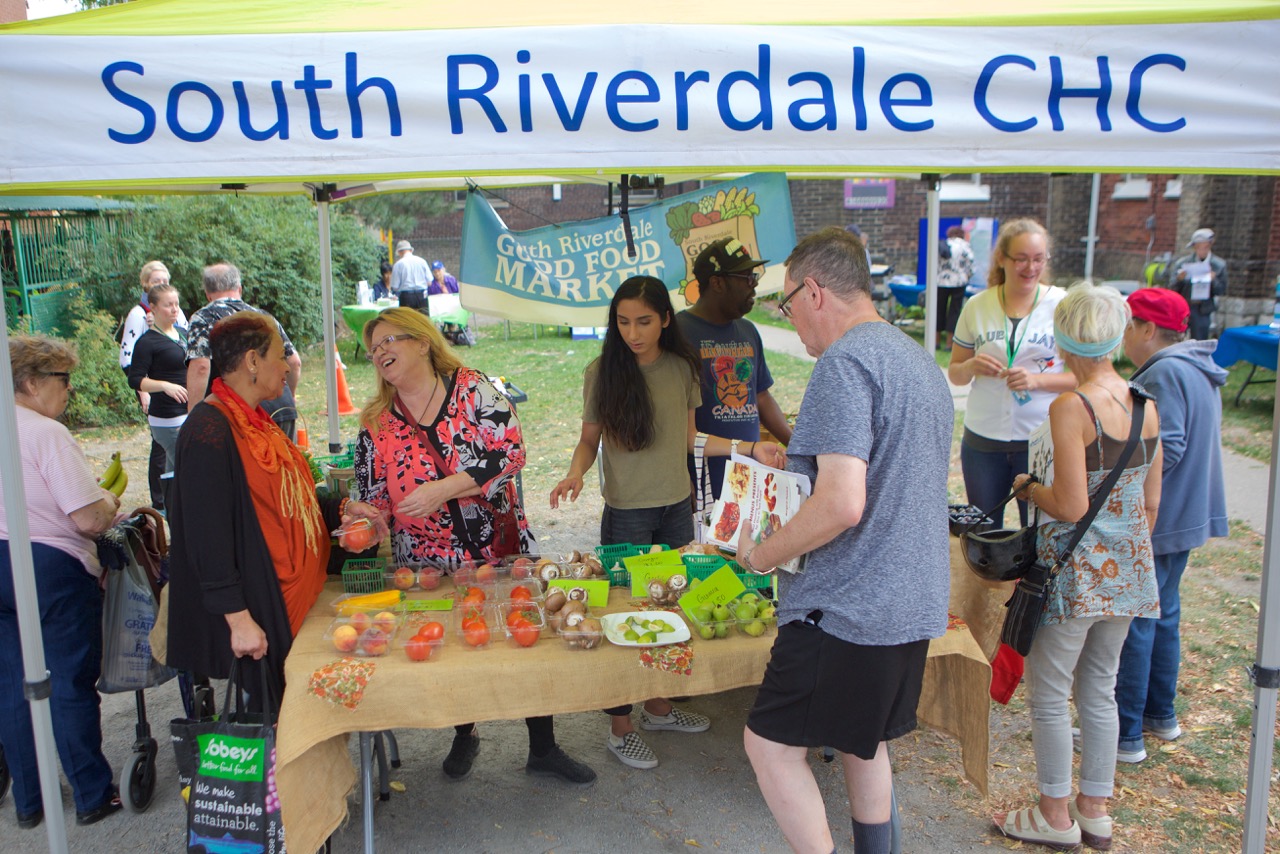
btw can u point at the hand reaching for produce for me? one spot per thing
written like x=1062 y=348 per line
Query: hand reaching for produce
x=570 y=486
x=359 y=510
x=770 y=453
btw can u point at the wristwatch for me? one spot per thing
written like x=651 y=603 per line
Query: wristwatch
x=733 y=446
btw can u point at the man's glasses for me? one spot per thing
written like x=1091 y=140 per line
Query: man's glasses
x=783 y=308
x=753 y=276
x=65 y=376
x=390 y=339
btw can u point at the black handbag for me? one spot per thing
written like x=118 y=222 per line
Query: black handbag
x=1002 y=554
x=1026 y=605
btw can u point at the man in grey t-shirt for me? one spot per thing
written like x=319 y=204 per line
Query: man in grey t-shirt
x=874 y=434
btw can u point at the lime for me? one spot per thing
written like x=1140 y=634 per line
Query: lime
x=648 y=637
x=630 y=634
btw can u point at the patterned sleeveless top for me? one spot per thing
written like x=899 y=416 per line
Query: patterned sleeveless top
x=1111 y=572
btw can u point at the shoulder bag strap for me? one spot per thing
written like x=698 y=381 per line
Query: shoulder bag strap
x=1099 y=497
x=702 y=480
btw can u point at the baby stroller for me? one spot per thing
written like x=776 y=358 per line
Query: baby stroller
x=134 y=558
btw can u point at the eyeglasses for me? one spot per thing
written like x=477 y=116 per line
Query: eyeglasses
x=65 y=376
x=783 y=308
x=753 y=276
x=1025 y=260
x=390 y=339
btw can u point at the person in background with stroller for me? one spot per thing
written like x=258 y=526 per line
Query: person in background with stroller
x=66 y=511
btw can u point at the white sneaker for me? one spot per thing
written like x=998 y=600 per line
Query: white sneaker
x=1131 y=757
x=631 y=750
x=1172 y=733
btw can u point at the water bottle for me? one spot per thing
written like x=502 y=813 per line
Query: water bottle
x=1275 y=313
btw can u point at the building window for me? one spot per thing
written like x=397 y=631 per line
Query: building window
x=1132 y=187
x=1173 y=188
x=958 y=187
x=460 y=200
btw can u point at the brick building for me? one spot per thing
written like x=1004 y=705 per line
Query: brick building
x=1141 y=219
x=12 y=10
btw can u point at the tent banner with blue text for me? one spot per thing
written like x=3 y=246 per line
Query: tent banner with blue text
x=567 y=274
x=570 y=100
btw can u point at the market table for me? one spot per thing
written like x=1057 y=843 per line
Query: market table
x=314 y=773
x=443 y=308
x=1257 y=345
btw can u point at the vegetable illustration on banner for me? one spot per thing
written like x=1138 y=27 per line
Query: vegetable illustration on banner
x=567 y=274
x=694 y=225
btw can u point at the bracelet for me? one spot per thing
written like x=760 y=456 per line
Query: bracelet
x=753 y=448
x=342 y=506
x=733 y=446
x=745 y=560
x=1031 y=493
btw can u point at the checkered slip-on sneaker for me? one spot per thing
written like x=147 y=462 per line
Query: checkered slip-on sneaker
x=632 y=751
x=678 y=720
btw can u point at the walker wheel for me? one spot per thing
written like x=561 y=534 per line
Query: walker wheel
x=139 y=777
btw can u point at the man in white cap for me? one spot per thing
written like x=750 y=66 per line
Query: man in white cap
x=1200 y=276
x=410 y=277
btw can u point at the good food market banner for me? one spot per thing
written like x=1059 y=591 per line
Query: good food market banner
x=567 y=274
x=122 y=110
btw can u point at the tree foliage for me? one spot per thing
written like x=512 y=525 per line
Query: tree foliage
x=100 y=395
x=400 y=213
x=274 y=241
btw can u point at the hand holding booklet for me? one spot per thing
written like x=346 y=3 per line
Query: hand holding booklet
x=759 y=497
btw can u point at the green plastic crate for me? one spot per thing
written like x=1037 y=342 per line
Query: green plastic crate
x=364 y=575
x=700 y=566
x=610 y=555
x=749 y=579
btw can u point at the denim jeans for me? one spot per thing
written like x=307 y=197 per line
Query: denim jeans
x=1085 y=653
x=1148 y=680
x=671 y=525
x=71 y=626
x=988 y=477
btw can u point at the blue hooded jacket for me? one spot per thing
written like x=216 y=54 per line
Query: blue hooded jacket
x=1185 y=381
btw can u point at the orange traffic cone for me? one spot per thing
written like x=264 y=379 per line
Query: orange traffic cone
x=345 y=406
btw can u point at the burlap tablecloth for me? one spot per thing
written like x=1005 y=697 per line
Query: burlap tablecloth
x=315 y=775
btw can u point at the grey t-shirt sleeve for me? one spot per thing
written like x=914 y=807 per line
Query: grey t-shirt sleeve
x=839 y=393
x=590 y=415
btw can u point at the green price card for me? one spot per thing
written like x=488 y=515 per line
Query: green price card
x=597 y=589
x=427 y=605
x=720 y=588
x=660 y=565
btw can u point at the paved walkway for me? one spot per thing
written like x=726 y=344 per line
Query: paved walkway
x=1247 y=481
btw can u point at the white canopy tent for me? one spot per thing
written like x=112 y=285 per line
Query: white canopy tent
x=335 y=99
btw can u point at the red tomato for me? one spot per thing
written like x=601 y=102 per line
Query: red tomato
x=525 y=633
x=516 y=616
x=358 y=538
x=431 y=631
x=521 y=593
x=473 y=596
x=417 y=648
x=477 y=634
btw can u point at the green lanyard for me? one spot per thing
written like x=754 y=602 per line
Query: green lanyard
x=1011 y=349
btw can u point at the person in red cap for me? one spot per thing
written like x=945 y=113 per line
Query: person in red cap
x=1185 y=381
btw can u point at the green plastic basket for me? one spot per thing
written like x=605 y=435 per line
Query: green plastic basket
x=700 y=566
x=749 y=579
x=364 y=575
x=610 y=555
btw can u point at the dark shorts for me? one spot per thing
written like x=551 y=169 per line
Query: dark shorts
x=820 y=691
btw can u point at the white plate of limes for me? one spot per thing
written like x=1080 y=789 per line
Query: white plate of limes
x=645 y=628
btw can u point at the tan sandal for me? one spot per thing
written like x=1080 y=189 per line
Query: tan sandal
x=1030 y=825
x=1094 y=832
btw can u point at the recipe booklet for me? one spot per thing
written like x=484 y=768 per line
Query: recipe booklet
x=757 y=496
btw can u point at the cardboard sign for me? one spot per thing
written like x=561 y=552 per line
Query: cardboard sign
x=720 y=588
x=597 y=589
x=645 y=567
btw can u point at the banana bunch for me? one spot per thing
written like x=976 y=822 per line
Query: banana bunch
x=115 y=478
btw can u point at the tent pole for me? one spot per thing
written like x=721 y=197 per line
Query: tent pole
x=934 y=215
x=22 y=566
x=1265 y=672
x=1092 y=240
x=323 y=194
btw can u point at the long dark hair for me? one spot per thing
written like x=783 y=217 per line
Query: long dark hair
x=621 y=393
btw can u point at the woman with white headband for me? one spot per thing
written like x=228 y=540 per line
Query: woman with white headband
x=1108 y=579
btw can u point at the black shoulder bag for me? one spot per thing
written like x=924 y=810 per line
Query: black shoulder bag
x=1026 y=606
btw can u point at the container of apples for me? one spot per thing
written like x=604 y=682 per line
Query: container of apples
x=364 y=634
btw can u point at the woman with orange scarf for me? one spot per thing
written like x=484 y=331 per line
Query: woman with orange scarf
x=250 y=538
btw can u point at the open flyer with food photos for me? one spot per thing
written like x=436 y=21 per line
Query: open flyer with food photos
x=760 y=497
